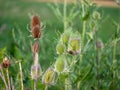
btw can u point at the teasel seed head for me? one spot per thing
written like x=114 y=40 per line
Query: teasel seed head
x=92 y=24
x=6 y=62
x=65 y=37
x=35 y=21
x=49 y=77
x=60 y=48
x=60 y=64
x=36 y=32
x=99 y=44
x=74 y=46
x=35 y=47
x=35 y=75
x=96 y=15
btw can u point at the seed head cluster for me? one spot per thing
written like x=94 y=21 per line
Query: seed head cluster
x=35 y=27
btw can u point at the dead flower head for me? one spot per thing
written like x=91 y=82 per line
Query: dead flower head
x=35 y=21
x=6 y=62
x=35 y=27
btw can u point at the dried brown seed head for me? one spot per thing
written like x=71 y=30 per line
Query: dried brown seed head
x=35 y=47
x=6 y=62
x=36 y=33
x=35 y=21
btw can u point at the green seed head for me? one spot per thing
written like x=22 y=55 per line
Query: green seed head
x=92 y=24
x=49 y=77
x=60 y=48
x=65 y=37
x=74 y=44
x=60 y=64
x=96 y=15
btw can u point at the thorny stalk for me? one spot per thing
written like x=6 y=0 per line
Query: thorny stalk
x=82 y=47
x=8 y=78
x=36 y=69
x=114 y=58
x=35 y=84
x=97 y=61
x=12 y=85
x=3 y=78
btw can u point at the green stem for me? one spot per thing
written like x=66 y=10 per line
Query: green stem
x=64 y=12
x=82 y=47
x=97 y=60
x=21 y=76
x=97 y=73
x=114 y=60
x=68 y=85
x=46 y=87
x=83 y=37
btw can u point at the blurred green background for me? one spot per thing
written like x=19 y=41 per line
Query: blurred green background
x=14 y=16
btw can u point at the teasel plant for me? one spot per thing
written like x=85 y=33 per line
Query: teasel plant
x=5 y=65
x=115 y=42
x=64 y=46
x=35 y=26
x=68 y=49
x=98 y=46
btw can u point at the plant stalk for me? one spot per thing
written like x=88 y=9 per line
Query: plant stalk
x=82 y=47
x=98 y=66
x=36 y=69
x=64 y=12
x=8 y=78
x=114 y=60
x=21 y=76
x=68 y=84
x=46 y=87
x=35 y=84
x=3 y=78
x=97 y=60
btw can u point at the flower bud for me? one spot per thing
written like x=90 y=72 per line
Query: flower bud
x=99 y=44
x=36 y=33
x=5 y=63
x=35 y=74
x=74 y=46
x=60 y=48
x=96 y=15
x=35 y=21
x=60 y=64
x=35 y=47
x=65 y=37
x=92 y=24
x=49 y=77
